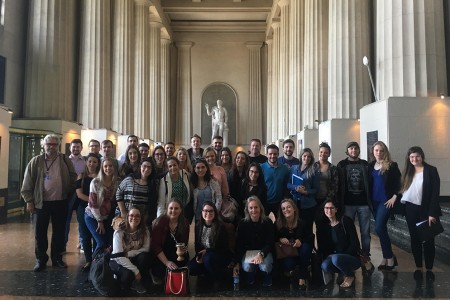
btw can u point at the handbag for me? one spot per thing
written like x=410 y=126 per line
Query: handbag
x=426 y=232
x=250 y=255
x=284 y=251
x=229 y=209
x=177 y=282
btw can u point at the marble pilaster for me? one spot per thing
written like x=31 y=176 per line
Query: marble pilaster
x=94 y=107
x=50 y=71
x=316 y=63
x=410 y=43
x=155 y=77
x=349 y=41
x=296 y=52
x=141 y=69
x=165 y=89
x=123 y=67
x=275 y=76
x=283 y=79
x=269 y=104
x=184 y=94
x=254 y=122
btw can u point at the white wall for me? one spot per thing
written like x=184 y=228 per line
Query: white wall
x=404 y=122
x=337 y=133
x=5 y=123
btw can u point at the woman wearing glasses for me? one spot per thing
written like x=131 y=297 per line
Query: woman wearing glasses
x=338 y=242
x=212 y=250
x=159 y=157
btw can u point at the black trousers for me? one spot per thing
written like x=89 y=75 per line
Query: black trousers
x=56 y=211
x=126 y=276
x=426 y=249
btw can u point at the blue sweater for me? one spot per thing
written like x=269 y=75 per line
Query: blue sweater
x=276 y=179
x=311 y=185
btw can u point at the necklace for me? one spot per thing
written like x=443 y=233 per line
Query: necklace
x=173 y=228
x=46 y=166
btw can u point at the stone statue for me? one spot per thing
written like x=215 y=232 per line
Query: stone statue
x=219 y=115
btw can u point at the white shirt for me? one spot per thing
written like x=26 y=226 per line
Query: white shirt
x=414 y=193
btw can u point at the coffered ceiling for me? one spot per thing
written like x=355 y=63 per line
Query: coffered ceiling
x=217 y=15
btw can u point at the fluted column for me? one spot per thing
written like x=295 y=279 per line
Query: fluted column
x=410 y=49
x=184 y=94
x=316 y=62
x=50 y=72
x=275 y=76
x=283 y=79
x=165 y=89
x=123 y=67
x=254 y=121
x=349 y=41
x=269 y=104
x=296 y=52
x=141 y=69
x=95 y=64
x=155 y=77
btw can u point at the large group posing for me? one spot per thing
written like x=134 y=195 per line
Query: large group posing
x=307 y=205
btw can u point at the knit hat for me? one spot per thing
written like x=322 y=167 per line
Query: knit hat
x=352 y=144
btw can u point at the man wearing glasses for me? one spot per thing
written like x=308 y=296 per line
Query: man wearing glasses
x=48 y=182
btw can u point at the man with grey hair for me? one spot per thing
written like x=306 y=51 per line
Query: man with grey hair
x=49 y=180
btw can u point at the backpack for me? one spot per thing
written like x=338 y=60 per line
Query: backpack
x=101 y=275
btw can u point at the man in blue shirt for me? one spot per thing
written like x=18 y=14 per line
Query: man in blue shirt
x=276 y=177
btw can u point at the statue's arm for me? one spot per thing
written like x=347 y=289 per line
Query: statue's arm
x=208 y=112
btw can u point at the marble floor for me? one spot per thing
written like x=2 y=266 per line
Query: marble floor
x=18 y=281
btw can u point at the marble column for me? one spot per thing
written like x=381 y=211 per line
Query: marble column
x=254 y=121
x=123 y=67
x=155 y=77
x=349 y=41
x=166 y=115
x=296 y=53
x=410 y=49
x=269 y=103
x=141 y=69
x=275 y=75
x=315 y=81
x=184 y=94
x=283 y=79
x=94 y=107
x=50 y=70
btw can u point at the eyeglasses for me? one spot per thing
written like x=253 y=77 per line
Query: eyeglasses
x=329 y=208
x=159 y=154
x=134 y=216
x=52 y=144
x=208 y=211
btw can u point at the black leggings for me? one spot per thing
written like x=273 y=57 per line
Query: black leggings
x=126 y=276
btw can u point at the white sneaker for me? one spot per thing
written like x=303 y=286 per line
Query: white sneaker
x=155 y=279
x=327 y=277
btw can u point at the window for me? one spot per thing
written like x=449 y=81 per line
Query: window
x=2 y=12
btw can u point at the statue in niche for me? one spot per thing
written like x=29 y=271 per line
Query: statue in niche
x=219 y=115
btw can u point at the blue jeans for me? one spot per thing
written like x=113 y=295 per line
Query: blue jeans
x=85 y=233
x=101 y=239
x=364 y=214
x=265 y=266
x=381 y=215
x=213 y=265
x=341 y=263
x=303 y=260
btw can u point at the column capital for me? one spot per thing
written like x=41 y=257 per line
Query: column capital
x=253 y=45
x=184 y=44
x=275 y=23
x=269 y=41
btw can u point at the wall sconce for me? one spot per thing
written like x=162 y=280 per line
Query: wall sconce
x=442 y=96
x=366 y=63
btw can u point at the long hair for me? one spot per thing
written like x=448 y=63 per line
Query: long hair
x=281 y=221
x=215 y=224
x=260 y=181
x=100 y=180
x=234 y=169
x=263 y=216
x=127 y=158
x=194 y=176
x=140 y=232
x=138 y=175
x=226 y=149
x=188 y=163
x=309 y=167
x=85 y=174
x=409 y=170
x=386 y=160
x=159 y=147
x=209 y=149
x=181 y=218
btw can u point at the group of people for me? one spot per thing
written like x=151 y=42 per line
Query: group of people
x=279 y=200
